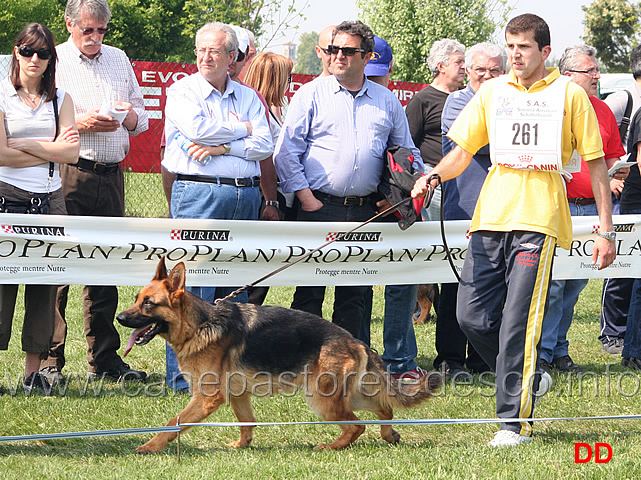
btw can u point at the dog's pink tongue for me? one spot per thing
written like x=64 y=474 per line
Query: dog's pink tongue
x=132 y=340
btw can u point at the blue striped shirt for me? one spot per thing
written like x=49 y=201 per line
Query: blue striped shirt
x=334 y=142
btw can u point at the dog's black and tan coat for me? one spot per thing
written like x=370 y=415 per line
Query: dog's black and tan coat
x=230 y=351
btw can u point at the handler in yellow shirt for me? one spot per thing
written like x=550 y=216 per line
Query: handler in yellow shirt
x=533 y=119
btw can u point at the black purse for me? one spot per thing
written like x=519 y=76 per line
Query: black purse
x=39 y=203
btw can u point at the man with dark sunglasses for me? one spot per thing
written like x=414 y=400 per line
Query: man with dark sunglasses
x=97 y=77
x=324 y=39
x=330 y=153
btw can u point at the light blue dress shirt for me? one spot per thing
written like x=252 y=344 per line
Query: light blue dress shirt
x=206 y=117
x=334 y=142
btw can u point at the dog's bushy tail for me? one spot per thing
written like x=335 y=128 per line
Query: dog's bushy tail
x=397 y=394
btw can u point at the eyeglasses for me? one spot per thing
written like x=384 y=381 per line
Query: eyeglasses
x=28 y=52
x=494 y=72
x=347 y=51
x=240 y=56
x=325 y=50
x=593 y=72
x=209 y=51
x=289 y=79
x=90 y=31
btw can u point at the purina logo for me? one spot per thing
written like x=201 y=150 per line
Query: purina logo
x=619 y=228
x=525 y=158
x=353 y=237
x=201 y=235
x=624 y=228
x=34 y=230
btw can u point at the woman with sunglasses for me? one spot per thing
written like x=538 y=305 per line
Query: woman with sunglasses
x=32 y=146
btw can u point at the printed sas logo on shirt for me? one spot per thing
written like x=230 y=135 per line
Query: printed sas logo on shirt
x=43 y=230
x=353 y=236
x=202 y=235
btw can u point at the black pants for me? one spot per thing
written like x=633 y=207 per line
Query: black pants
x=88 y=193
x=615 y=301
x=452 y=346
x=501 y=305
x=348 y=300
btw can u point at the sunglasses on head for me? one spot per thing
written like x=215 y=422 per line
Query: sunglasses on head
x=347 y=51
x=89 y=31
x=28 y=52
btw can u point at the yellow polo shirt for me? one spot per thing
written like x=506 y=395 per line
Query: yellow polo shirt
x=527 y=200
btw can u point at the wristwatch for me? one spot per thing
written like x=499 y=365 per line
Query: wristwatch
x=227 y=148
x=611 y=236
x=272 y=203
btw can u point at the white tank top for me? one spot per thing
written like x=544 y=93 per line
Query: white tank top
x=20 y=121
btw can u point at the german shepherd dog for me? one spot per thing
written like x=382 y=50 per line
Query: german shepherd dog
x=229 y=351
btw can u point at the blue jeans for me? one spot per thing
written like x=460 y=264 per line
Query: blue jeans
x=562 y=297
x=632 y=340
x=208 y=201
x=212 y=201
x=399 y=339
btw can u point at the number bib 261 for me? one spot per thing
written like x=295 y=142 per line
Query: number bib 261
x=526 y=128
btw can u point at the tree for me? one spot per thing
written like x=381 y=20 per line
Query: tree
x=161 y=30
x=412 y=26
x=265 y=18
x=611 y=27
x=306 y=59
x=16 y=14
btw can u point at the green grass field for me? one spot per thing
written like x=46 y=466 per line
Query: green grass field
x=431 y=451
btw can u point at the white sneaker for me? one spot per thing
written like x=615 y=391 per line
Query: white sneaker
x=544 y=386
x=508 y=438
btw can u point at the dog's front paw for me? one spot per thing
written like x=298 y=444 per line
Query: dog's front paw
x=322 y=446
x=238 y=444
x=149 y=447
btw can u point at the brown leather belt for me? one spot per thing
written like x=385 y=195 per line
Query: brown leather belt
x=97 y=167
x=581 y=201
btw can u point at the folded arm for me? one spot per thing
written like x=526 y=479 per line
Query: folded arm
x=24 y=152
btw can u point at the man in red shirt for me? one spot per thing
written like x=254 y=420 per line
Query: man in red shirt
x=578 y=62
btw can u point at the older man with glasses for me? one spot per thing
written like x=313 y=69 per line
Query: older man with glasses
x=217 y=135
x=102 y=83
x=579 y=63
x=483 y=61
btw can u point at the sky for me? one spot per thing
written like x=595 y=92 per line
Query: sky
x=564 y=17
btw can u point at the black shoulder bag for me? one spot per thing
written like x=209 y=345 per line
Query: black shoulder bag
x=39 y=203
x=625 y=121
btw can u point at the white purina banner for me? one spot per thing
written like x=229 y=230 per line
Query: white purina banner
x=51 y=249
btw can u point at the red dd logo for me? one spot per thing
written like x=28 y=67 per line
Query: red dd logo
x=586 y=450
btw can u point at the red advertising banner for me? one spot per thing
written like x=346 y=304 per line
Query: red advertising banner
x=155 y=77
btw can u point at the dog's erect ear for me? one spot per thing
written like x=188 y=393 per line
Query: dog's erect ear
x=177 y=277
x=161 y=270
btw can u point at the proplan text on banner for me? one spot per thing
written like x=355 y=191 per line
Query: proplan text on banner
x=52 y=249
